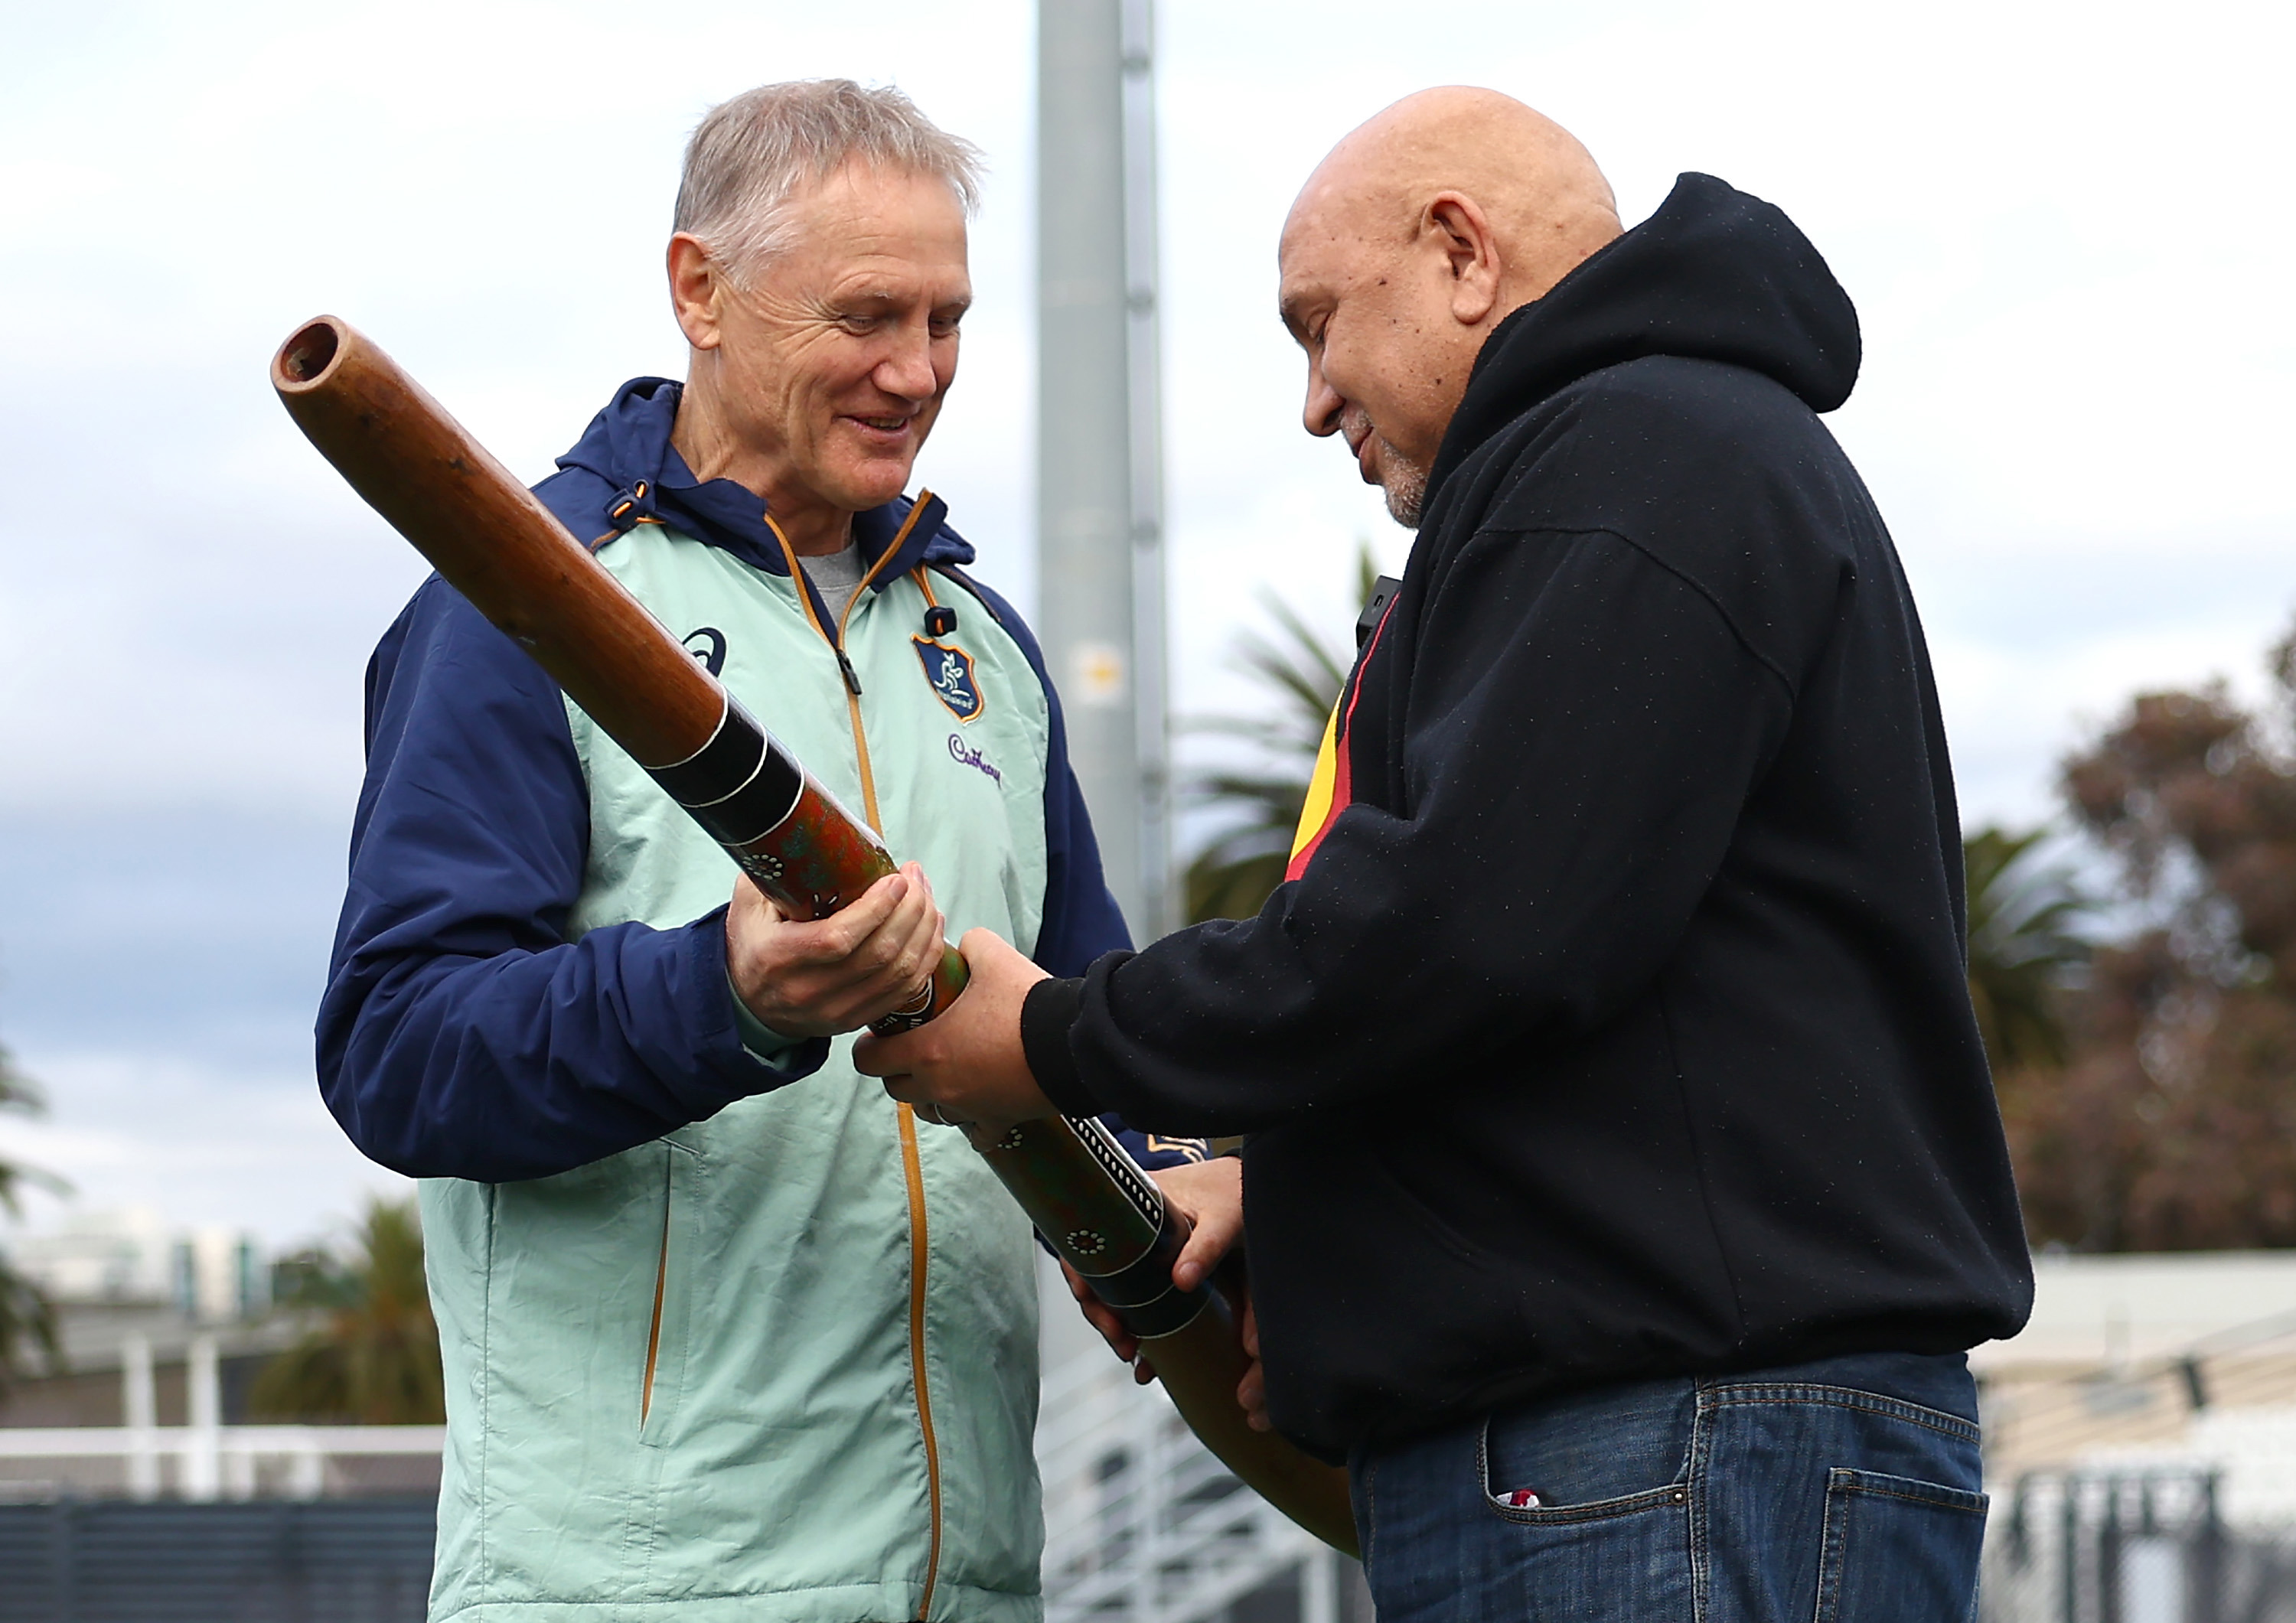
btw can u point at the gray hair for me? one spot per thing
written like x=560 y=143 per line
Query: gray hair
x=750 y=157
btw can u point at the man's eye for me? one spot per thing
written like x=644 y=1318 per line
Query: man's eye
x=856 y=323
x=945 y=326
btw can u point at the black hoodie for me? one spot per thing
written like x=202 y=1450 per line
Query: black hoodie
x=1617 y=1026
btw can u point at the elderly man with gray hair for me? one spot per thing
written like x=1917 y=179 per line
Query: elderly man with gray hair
x=725 y=1335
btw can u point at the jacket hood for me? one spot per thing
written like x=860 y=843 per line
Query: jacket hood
x=624 y=471
x=1715 y=275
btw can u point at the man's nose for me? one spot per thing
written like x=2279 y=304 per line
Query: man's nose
x=908 y=371
x=1321 y=416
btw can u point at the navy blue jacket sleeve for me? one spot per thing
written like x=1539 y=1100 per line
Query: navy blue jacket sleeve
x=1082 y=921
x=460 y=1034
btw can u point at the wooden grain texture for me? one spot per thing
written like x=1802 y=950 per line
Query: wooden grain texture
x=494 y=542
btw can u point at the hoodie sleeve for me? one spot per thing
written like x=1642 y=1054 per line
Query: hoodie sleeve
x=460 y=1034
x=1585 y=725
x=1082 y=922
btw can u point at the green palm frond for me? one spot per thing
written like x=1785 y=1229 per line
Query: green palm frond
x=1301 y=667
x=1301 y=674
x=374 y=1358
x=27 y=1319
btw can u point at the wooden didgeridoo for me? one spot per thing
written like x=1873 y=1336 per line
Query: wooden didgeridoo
x=494 y=541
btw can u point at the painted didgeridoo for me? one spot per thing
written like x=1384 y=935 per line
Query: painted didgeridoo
x=493 y=541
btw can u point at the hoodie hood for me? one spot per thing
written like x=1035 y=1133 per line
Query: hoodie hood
x=624 y=471
x=1714 y=275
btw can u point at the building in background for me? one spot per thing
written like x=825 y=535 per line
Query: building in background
x=2141 y=1443
x=130 y=1255
x=133 y=1293
x=164 y=1331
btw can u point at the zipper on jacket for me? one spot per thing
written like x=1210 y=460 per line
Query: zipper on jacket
x=913 y=1172
x=660 y=1288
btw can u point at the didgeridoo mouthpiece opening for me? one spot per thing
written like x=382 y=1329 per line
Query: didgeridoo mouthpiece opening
x=309 y=352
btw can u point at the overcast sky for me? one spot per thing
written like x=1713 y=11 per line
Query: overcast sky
x=2064 y=227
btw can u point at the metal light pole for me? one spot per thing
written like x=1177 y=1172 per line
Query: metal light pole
x=1099 y=496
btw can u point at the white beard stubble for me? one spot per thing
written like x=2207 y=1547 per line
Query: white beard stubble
x=1405 y=484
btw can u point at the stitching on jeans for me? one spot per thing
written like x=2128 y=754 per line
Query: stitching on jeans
x=1702 y=1447
x=1598 y=1510
x=1943 y=1504
x=1845 y=1398
x=1833 y=1535
x=1370 y=1509
x=1937 y=1500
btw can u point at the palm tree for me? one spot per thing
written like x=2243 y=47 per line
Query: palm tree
x=1302 y=674
x=374 y=1359
x=27 y=1319
x=2024 y=939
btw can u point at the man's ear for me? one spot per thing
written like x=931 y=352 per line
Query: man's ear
x=696 y=285
x=1459 y=226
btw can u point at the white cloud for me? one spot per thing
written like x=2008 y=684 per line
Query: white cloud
x=198 y=1144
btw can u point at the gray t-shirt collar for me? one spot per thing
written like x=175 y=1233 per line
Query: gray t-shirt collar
x=837 y=577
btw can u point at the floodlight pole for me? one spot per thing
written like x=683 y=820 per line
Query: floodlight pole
x=1100 y=498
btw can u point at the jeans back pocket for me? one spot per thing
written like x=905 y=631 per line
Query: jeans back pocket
x=1897 y=1550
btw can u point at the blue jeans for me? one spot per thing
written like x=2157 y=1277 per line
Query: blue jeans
x=1841 y=1491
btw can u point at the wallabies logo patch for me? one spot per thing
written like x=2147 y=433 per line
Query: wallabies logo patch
x=950 y=672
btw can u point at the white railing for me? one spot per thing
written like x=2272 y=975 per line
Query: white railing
x=213 y=1461
x=1142 y=1525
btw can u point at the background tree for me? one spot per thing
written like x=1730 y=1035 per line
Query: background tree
x=373 y=1357
x=27 y=1319
x=2172 y=1125
x=1300 y=673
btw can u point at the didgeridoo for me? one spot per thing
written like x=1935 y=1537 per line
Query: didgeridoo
x=494 y=541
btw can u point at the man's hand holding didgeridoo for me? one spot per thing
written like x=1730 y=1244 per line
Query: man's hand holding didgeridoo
x=968 y=1065
x=1211 y=1195
x=820 y=977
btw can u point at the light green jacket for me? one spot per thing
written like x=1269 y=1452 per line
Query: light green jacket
x=780 y=1364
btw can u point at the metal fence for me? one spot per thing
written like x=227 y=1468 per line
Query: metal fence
x=216 y=1461
x=2132 y=1546
x=338 y=1561
x=1143 y=1525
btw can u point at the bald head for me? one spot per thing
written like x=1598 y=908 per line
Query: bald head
x=1544 y=197
x=1421 y=232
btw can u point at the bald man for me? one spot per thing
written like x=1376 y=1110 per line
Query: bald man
x=1624 y=1183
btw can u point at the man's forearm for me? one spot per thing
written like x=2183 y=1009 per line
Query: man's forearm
x=530 y=1064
